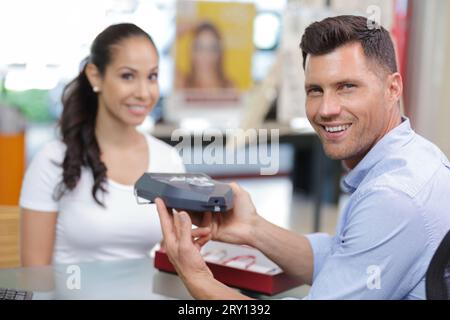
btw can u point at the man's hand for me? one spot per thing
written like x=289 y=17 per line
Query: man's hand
x=234 y=226
x=182 y=243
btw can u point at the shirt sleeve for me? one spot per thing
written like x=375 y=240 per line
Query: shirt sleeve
x=41 y=178
x=376 y=255
x=321 y=244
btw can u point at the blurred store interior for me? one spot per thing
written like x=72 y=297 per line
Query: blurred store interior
x=43 y=43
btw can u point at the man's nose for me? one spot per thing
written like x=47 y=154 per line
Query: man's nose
x=330 y=106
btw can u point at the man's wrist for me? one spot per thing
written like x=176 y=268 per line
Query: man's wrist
x=198 y=284
x=258 y=228
x=208 y=288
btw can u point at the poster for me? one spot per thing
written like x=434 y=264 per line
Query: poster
x=213 y=53
x=214 y=47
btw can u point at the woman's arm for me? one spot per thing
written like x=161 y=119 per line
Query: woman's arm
x=37 y=237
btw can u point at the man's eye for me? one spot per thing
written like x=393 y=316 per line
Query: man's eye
x=348 y=86
x=153 y=76
x=314 y=92
x=127 y=76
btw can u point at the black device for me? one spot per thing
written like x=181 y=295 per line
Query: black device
x=185 y=191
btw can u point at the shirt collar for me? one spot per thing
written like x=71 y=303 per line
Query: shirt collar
x=393 y=140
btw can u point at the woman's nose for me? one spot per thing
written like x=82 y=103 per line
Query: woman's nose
x=143 y=91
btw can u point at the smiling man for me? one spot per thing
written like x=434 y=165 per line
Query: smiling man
x=398 y=211
x=352 y=87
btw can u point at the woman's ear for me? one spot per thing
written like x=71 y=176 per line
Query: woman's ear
x=93 y=76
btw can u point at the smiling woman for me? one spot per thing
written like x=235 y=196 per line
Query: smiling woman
x=129 y=86
x=77 y=196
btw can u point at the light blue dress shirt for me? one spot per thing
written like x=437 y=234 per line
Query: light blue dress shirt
x=396 y=216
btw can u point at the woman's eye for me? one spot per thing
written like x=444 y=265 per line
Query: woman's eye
x=153 y=76
x=127 y=76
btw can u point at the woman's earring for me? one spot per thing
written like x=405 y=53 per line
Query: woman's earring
x=96 y=89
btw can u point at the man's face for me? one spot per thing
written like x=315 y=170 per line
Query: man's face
x=348 y=102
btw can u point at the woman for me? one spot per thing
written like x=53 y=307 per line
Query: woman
x=207 y=54
x=77 y=196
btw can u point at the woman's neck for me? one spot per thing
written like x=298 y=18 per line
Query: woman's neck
x=111 y=132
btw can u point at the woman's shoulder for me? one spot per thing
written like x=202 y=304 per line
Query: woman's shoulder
x=42 y=176
x=158 y=143
x=163 y=156
x=52 y=150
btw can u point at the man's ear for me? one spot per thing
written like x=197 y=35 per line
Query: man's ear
x=395 y=87
x=94 y=77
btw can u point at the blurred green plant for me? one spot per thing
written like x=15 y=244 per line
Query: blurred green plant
x=34 y=103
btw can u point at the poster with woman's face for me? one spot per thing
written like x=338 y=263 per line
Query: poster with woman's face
x=214 y=46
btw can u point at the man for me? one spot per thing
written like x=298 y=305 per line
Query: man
x=399 y=209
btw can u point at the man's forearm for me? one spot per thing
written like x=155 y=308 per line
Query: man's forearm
x=210 y=289
x=292 y=252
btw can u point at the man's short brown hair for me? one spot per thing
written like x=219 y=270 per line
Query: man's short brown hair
x=325 y=36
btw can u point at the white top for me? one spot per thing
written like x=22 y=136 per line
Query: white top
x=85 y=231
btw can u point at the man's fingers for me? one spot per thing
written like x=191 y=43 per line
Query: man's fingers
x=177 y=224
x=203 y=240
x=201 y=232
x=201 y=236
x=177 y=227
x=185 y=228
x=235 y=187
x=165 y=221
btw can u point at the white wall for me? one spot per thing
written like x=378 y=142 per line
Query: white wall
x=428 y=79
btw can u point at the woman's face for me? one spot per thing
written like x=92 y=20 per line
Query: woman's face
x=129 y=88
x=206 y=52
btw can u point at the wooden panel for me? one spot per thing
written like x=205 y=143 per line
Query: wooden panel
x=9 y=236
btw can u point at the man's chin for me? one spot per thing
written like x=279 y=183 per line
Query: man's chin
x=349 y=159
x=335 y=154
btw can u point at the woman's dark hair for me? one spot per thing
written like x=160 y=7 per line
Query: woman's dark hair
x=325 y=36
x=80 y=104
